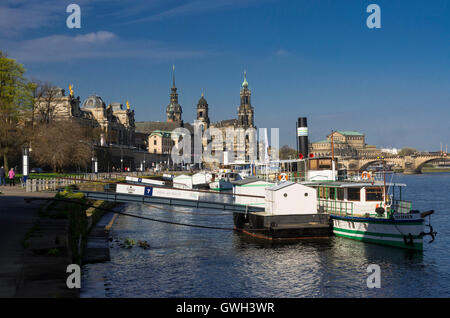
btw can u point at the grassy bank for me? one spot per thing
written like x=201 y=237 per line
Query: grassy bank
x=80 y=218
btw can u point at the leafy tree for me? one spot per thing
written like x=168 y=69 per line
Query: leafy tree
x=16 y=103
x=407 y=151
x=286 y=152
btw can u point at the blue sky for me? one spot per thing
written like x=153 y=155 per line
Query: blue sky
x=303 y=58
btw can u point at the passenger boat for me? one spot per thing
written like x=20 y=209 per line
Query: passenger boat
x=367 y=209
x=223 y=180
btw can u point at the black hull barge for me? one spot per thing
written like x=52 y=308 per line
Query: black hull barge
x=290 y=213
x=283 y=227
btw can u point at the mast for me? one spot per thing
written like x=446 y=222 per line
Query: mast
x=333 y=168
x=384 y=180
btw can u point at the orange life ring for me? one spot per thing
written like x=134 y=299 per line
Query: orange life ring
x=365 y=175
x=283 y=177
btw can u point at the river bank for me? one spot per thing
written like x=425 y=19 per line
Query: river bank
x=40 y=238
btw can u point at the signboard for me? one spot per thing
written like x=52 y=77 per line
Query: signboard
x=145 y=181
x=157 y=192
x=302 y=131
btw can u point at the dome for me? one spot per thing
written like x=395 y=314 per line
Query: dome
x=202 y=101
x=94 y=101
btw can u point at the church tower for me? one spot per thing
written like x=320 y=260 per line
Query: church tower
x=245 y=110
x=173 y=110
x=202 y=112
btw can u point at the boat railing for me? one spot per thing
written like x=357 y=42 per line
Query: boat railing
x=401 y=206
x=336 y=207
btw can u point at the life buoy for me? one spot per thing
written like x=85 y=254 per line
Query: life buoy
x=365 y=175
x=283 y=177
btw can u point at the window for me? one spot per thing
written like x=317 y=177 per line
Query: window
x=332 y=193
x=353 y=194
x=374 y=194
x=340 y=194
x=154 y=142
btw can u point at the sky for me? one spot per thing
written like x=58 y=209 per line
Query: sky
x=316 y=59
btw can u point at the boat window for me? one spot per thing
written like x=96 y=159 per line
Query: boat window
x=325 y=164
x=353 y=194
x=340 y=194
x=374 y=194
x=332 y=193
x=313 y=164
x=323 y=193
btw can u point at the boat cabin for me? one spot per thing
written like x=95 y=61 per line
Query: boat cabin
x=359 y=198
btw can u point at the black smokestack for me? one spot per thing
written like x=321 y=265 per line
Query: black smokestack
x=302 y=135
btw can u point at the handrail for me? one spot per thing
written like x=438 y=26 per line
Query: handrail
x=336 y=207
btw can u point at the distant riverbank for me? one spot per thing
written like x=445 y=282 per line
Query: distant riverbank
x=429 y=169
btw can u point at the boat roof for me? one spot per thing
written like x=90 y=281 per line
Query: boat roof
x=351 y=184
x=250 y=180
x=281 y=185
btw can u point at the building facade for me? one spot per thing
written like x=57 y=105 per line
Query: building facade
x=345 y=143
x=117 y=125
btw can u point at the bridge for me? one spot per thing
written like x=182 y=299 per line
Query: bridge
x=411 y=164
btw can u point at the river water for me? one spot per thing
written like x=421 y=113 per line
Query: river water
x=196 y=262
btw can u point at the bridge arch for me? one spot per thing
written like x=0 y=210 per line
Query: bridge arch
x=419 y=167
x=366 y=164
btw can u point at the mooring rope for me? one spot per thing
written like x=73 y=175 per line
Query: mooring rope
x=144 y=217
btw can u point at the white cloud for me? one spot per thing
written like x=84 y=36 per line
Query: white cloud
x=95 y=37
x=282 y=52
x=101 y=44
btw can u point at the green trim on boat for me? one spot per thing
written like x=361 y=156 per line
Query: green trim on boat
x=414 y=246
x=373 y=233
x=374 y=221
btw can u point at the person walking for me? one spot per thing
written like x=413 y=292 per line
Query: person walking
x=2 y=176
x=11 y=176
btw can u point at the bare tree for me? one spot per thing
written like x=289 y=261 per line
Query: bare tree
x=45 y=96
x=61 y=145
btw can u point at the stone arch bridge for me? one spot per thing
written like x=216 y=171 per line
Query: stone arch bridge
x=412 y=164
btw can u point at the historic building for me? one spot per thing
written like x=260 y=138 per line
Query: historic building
x=116 y=123
x=162 y=142
x=173 y=110
x=346 y=143
x=242 y=137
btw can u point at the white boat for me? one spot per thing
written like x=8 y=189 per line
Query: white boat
x=369 y=209
x=183 y=181
x=223 y=180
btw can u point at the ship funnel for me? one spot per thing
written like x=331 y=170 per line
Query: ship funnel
x=302 y=137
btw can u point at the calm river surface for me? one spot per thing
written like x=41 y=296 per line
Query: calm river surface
x=195 y=262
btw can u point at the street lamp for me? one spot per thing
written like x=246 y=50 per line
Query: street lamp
x=25 y=162
x=121 y=159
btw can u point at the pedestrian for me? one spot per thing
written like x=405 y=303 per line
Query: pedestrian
x=2 y=176
x=11 y=176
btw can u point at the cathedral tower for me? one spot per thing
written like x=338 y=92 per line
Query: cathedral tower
x=245 y=110
x=202 y=112
x=173 y=110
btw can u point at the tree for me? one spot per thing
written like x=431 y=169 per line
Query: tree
x=286 y=152
x=16 y=104
x=45 y=95
x=406 y=151
x=60 y=145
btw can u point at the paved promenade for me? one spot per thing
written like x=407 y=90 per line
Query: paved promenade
x=16 y=219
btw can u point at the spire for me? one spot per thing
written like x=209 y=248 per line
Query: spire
x=173 y=76
x=245 y=83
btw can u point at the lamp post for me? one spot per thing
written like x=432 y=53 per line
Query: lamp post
x=25 y=162
x=121 y=159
